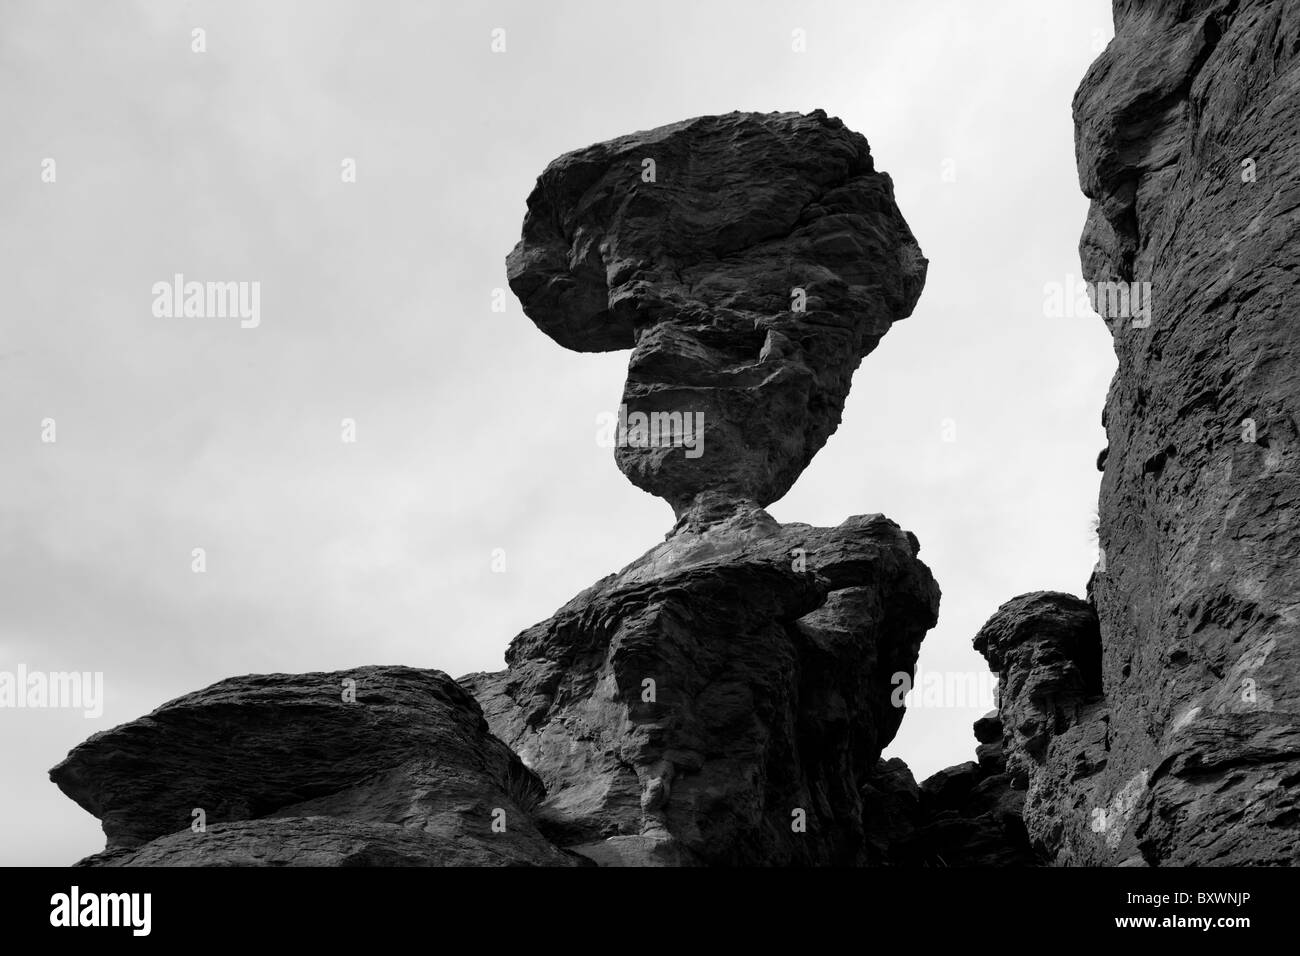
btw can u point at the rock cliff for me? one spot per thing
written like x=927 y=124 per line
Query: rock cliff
x=1158 y=722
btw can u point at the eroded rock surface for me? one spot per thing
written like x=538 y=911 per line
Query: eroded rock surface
x=1188 y=143
x=395 y=768
x=724 y=698
x=749 y=261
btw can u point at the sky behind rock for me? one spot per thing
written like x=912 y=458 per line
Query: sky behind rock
x=975 y=424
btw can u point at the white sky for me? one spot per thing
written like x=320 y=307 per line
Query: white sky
x=474 y=430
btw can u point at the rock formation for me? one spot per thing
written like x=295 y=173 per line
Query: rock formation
x=380 y=766
x=749 y=261
x=725 y=698
x=1158 y=723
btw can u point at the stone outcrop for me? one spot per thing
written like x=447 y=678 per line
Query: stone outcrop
x=722 y=699
x=749 y=261
x=1052 y=726
x=380 y=766
x=1046 y=651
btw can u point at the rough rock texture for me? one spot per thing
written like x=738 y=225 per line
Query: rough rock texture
x=749 y=270
x=1188 y=143
x=1158 y=722
x=288 y=772
x=729 y=685
x=1053 y=725
x=1046 y=650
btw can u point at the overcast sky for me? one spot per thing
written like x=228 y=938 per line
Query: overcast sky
x=474 y=431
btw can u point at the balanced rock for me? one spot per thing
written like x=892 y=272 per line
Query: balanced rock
x=380 y=766
x=750 y=261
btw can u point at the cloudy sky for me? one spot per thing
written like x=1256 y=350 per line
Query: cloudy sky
x=473 y=430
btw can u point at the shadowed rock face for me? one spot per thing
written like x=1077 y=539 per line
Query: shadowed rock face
x=288 y=772
x=749 y=269
x=731 y=682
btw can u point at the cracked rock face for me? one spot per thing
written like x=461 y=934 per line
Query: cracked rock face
x=286 y=770
x=750 y=261
x=1188 y=144
x=723 y=699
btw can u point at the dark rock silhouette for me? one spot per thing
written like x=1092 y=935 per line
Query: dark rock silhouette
x=965 y=816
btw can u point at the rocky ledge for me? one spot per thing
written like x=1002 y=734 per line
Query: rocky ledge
x=379 y=766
